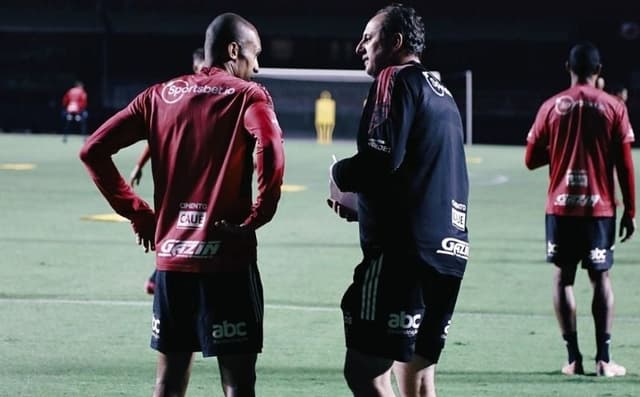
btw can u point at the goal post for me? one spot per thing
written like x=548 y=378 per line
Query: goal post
x=296 y=93
x=468 y=121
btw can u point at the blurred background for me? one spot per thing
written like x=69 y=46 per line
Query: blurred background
x=516 y=53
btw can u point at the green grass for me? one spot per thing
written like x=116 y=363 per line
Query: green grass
x=74 y=320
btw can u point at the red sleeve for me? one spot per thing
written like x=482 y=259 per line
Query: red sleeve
x=121 y=130
x=260 y=120
x=536 y=156
x=626 y=178
x=65 y=99
x=144 y=157
x=537 y=153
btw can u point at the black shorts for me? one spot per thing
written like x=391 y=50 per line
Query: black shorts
x=215 y=313
x=571 y=239
x=395 y=308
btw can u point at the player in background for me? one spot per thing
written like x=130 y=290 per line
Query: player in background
x=584 y=134
x=74 y=103
x=136 y=173
x=202 y=130
x=197 y=59
x=619 y=91
x=411 y=181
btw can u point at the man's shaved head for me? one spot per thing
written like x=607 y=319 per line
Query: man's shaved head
x=224 y=29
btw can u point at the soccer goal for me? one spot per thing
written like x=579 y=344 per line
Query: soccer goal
x=310 y=101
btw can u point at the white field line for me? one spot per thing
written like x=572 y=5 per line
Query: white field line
x=274 y=306
x=488 y=181
x=94 y=302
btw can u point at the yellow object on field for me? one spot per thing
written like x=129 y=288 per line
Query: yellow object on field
x=325 y=117
x=17 y=166
x=293 y=188
x=104 y=218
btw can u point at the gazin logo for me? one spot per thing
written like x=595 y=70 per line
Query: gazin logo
x=454 y=247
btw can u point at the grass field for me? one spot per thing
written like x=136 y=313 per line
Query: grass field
x=74 y=320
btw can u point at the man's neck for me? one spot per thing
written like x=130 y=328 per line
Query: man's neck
x=408 y=58
x=576 y=80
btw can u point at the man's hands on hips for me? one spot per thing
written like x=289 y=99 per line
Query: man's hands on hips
x=144 y=227
x=232 y=228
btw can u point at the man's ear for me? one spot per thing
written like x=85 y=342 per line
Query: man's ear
x=398 y=41
x=233 y=49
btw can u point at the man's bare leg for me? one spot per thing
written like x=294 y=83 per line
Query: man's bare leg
x=172 y=374
x=564 y=304
x=602 y=308
x=416 y=378
x=368 y=376
x=238 y=374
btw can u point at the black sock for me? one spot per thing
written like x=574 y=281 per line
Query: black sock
x=602 y=341
x=571 y=340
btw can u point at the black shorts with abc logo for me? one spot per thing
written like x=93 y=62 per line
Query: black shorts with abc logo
x=573 y=239
x=396 y=307
x=215 y=313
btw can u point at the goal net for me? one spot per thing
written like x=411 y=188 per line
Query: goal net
x=299 y=96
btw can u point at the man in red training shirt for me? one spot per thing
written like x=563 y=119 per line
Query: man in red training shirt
x=584 y=135
x=74 y=103
x=202 y=130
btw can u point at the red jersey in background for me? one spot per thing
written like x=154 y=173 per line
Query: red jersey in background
x=585 y=133
x=75 y=100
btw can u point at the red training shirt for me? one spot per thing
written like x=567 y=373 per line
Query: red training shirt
x=583 y=133
x=202 y=130
x=75 y=100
